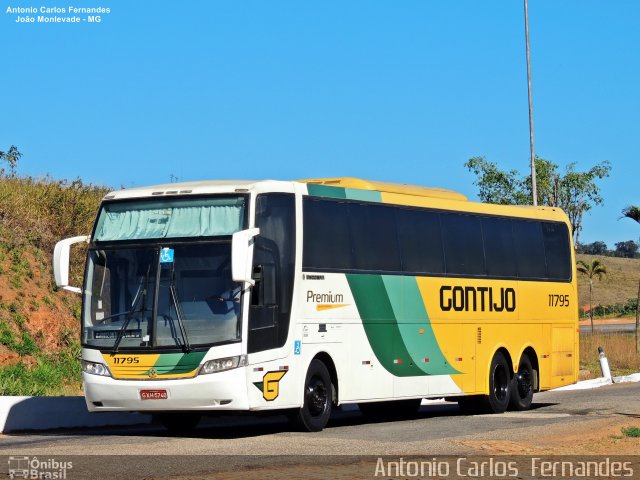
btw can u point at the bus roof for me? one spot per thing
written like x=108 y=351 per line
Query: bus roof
x=388 y=187
x=404 y=194
x=395 y=193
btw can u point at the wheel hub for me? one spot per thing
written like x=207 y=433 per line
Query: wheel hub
x=316 y=397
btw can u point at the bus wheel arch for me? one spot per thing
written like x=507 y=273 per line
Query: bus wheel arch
x=325 y=358
x=319 y=395
x=525 y=381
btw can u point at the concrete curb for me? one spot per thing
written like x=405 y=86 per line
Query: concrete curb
x=47 y=413
x=599 y=382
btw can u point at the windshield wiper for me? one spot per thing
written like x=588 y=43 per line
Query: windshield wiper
x=119 y=314
x=141 y=289
x=181 y=324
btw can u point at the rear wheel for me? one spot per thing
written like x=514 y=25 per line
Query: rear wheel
x=499 y=384
x=179 y=422
x=316 y=409
x=522 y=386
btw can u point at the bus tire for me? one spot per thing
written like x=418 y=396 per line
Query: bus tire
x=499 y=385
x=179 y=423
x=522 y=386
x=392 y=409
x=316 y=409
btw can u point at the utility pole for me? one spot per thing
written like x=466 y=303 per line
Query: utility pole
x=534 y=188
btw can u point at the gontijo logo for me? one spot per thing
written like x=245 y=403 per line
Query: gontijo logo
x=474 y=299
x=326 y=300
x=270 y=385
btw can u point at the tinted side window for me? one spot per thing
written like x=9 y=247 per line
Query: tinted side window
x=374 y=238
x=327 y=242
x=498 y=247
x=420 y=241
x=556 y=246
x=462 y=237
x=529 y=249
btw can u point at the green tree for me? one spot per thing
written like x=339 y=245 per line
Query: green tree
x=575 y=192
x=627 y=249
x=595 y=269
x=11 y=156
x=596 y=248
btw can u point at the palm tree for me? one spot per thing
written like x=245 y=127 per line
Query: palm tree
x=592 y=270
x=632 y=212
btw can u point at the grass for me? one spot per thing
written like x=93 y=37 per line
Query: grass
x=618 y=347
x=633 y=432
x=617 y=287
x=51 y=375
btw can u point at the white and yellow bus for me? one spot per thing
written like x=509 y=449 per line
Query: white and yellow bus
x=302 y=296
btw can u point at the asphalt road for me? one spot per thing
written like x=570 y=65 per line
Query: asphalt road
x=232 y=444
x=609 y=328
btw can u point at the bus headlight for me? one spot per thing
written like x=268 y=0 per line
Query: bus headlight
x=222 y=364
x=95 y=368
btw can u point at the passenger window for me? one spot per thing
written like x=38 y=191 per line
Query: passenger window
x=498 y=247
x=327 y=243
x=375 y=238
x=556 y=247
x=420 y=241
x=462 y=237
x=529 y=249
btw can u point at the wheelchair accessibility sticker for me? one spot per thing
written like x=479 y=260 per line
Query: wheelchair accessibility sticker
x=166 y=255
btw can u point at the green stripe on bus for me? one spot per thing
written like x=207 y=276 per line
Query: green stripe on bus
x=326 y=191
x=379 y=322
x=365 y=195
x=399 y=347
x=408 y=305
x=346 y=193
x=173 y=363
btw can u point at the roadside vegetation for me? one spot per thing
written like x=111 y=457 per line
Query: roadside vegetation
x=39 y=326
x=633 y=432
x=619 y=349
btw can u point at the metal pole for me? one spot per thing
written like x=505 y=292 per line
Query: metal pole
x=534 y=188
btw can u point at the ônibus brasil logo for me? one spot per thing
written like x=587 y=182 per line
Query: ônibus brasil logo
x=33 y=468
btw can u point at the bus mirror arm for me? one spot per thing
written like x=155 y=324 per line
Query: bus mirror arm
x=242 y=255
x=61 y=254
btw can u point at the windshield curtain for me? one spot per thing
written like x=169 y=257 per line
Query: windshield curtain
x=148 y=219
x=178 y=296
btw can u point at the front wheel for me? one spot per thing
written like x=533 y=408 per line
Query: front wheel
x=522 y=386
x=316 y=409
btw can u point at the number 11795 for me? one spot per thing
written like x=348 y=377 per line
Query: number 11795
x=558 y=300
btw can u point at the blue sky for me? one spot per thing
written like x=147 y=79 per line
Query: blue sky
x=402 y=91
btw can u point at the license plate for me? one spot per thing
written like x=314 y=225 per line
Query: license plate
x=153 y=394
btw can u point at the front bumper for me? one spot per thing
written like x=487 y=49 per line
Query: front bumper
x=217 y=391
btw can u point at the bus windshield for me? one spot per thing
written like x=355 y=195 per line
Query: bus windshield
x=172 y=296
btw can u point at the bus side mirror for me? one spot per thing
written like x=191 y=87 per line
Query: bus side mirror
x=61 y=262
x=242 y=255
